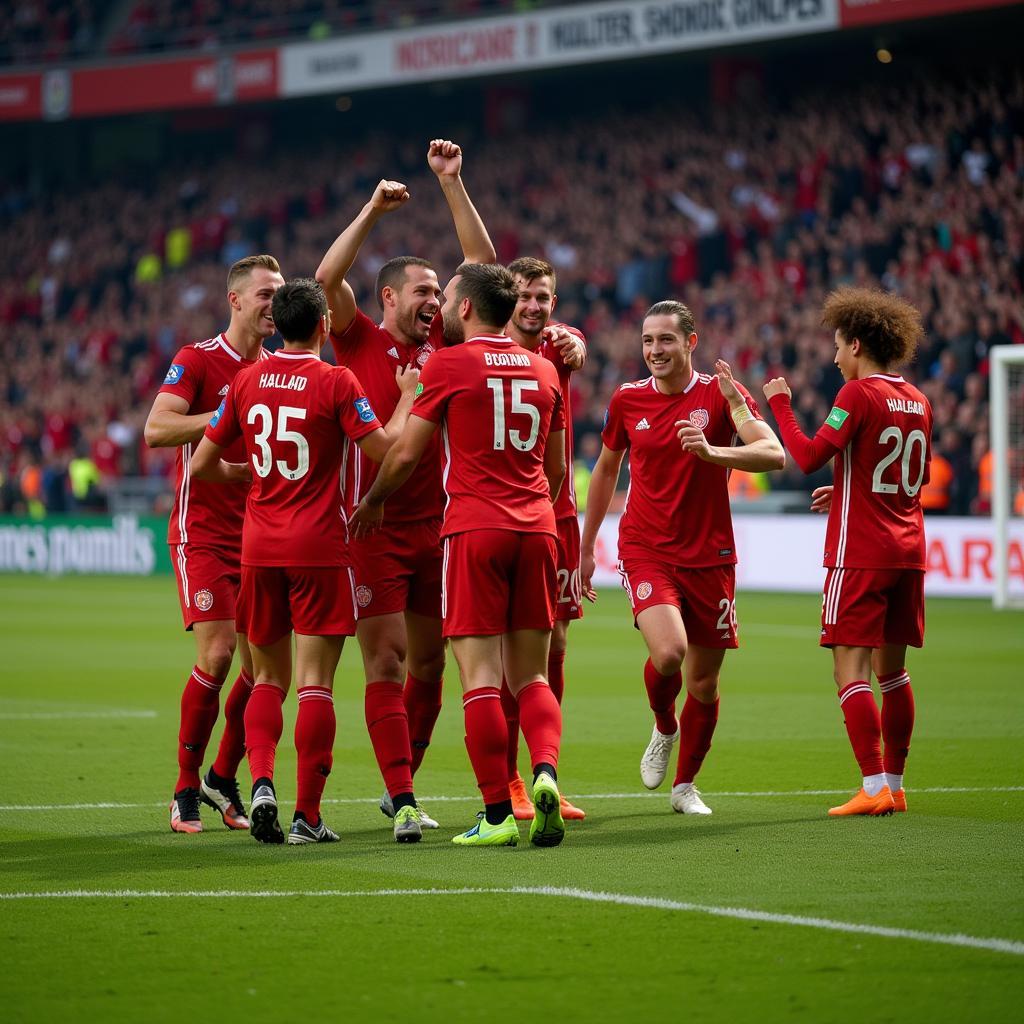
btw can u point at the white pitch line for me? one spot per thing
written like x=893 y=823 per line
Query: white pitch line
x=47 y=716
x=1010 y=946
x=576 y=796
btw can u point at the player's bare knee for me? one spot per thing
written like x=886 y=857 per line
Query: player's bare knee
x=215 y=659
x=427 y=667
x=703 y=689
x=668 y=660
x=387 y=664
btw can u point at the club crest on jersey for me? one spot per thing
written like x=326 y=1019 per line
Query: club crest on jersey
x=700 y=418
x=174 y=374
x=203 y=599
x=423 y=353
x=364 y=595
x=364 y=409
x=644 y=591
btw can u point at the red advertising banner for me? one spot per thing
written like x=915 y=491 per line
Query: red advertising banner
x=163 y=85
x=874 y=12
x=21 y=97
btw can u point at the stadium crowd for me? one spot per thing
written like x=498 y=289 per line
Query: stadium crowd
x=750 y=218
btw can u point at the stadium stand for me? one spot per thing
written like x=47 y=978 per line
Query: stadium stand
x=750 y=217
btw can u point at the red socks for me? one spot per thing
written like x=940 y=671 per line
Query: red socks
x=541 y=718
x=389 y=733
x=200 y=703
x=696 y=727
x=897 y=719
x=556 y=674
x=422 y=706
x=315 y=727
x=487 y=742
x=661 y=695
x=510 y=707
x=232 y=743
x=263 y=726
x=863 y=725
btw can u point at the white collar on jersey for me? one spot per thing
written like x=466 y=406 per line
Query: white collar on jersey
x=226 y=345
x=281 y=354
x=685 y=391
x=490 y=338
x=897 y=379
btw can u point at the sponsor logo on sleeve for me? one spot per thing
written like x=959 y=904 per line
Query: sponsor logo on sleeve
x=837 y=417
x=605 y=424
x=364 y=409
x=223 y=391
x=215 y=419
x=419 y=390
x=174 y=374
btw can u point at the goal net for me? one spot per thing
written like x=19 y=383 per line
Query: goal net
x=1007 y=439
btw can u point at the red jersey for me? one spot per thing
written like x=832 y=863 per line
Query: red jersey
x=565 y=503
x=373 y=354
x=677 y=506
x=206 y=513
x=297 y=416
x=496 y=403
x=880 y=431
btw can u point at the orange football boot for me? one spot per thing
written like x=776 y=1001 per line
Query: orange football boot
x=899 y=798
x=879 y=805
x=522 y=805
x=570 y=813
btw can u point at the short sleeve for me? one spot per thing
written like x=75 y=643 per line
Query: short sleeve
x=614 y=434
x=224 y=428
x=355 y=414
x=353 y=337
x=432 y=393
x=185 y=375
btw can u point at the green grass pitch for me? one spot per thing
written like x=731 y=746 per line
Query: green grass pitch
x=750 y=914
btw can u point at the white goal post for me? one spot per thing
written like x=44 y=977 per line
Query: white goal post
x=1006 y=411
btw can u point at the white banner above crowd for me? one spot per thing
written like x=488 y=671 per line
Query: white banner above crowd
x=544 y=39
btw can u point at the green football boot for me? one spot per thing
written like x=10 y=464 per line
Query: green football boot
x=484 y=834
x=547 y=827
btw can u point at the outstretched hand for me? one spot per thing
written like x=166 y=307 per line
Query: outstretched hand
x=821 y=498
x=389 y=195
x=445 y=158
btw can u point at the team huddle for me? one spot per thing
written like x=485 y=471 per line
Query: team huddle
x=449 y=427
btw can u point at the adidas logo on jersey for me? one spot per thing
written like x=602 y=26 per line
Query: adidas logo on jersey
x=393 y=352
x=643 y=425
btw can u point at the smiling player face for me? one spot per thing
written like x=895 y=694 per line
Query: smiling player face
x=534 y=306
x=415 y=305
x=250 y=302
x=667 y=350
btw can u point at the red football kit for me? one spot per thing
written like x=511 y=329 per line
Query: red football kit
x=205 y=527
x=297 y=416
x=676 y=541
x=569 y=594
x=496 y=403
x=879 y=433
x=399 y=566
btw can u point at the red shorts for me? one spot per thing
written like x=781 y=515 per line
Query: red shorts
x=208 y=581
x=872 y=607
x=705 y=597
x=399 y=569
x=497 y=581
x=313 y=601
x=569 y=589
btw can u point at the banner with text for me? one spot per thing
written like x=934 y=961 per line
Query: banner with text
x=778 y=552
x=85 y=545
x=553 y=38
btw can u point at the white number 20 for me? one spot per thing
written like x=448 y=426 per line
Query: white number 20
x=264 y=461
x=900 y=447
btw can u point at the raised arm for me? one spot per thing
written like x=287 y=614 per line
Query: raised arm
x=169 y=425
x=338 y=260
x=445 y=159
x=809 y=453
x=599 y=497
x=760 y=451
